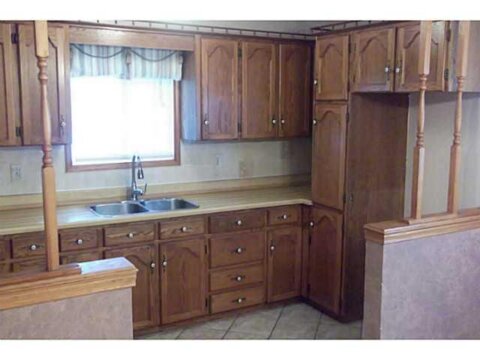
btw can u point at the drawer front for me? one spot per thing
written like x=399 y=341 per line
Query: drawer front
x=232 y=278
x=237 y=221
x=28 y=245
x=129 y=233
x=284 y=215
x=30 y=266
x=80 y=239
x=171 y=229
x=83 y=257
x=237 y=248
x=4 y=249
x=237 y=299
x=4 y=268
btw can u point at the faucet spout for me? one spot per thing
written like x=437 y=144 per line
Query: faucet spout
x=137 y=174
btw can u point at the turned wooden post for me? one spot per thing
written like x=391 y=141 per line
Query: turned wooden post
x=419 y=150
x=48 y=172
x=455 y=151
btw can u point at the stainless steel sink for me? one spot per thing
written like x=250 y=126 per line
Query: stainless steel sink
x=168 y=204
x=122 y=208
x=143 y=206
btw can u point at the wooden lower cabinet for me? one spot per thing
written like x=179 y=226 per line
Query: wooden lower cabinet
x=325 y=259
x=183 y=279
x=284 y=263
x=145 y=292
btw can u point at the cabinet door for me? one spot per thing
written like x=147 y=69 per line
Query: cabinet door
x=406 y=68
x=259 y=81
x=373 y=60
x=284 y=263
x=219 y=88
x=145 y=292
x=331 y=68
x=30 y=87
x=8 y=113
x=328 y=156
x=294 y=107
x=183 y=279
x=325 y=259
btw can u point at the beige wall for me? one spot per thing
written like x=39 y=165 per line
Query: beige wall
x=198 y=163
x=440 y=111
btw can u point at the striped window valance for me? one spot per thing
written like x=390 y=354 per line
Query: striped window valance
x=125 y=62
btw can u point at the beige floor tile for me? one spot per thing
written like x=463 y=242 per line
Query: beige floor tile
x=218 y=324
x=300 y=312
x=199 y=333
x=295 y=330
x=338 y=332
x=162 y=335
x=237 y=335
x=260 y=322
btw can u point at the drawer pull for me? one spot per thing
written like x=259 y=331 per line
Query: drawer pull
x=240 y=300
x=240 y=278
x=272 y=248
x=164 y=262
x=153 y=265
x=283 y=217
x=130 y=235
x=79 y=241
x=311 y=224
x=239 y=222
x=239 y=250
x=33 y=247
x=185 y=229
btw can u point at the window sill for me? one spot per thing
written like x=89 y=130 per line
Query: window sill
x=124 y=165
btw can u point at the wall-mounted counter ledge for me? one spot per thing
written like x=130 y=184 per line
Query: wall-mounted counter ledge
x=30 y=220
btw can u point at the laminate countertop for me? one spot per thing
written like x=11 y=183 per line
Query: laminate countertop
x=30 y=220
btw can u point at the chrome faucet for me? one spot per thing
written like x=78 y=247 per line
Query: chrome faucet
x=137 y=173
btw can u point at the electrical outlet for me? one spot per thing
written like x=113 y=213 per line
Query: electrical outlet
x=245 y=168
x=218 y=160
x=15 y=173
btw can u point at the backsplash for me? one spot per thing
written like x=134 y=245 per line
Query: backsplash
x=199 y=162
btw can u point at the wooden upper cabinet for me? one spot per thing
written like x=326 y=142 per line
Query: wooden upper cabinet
x=325 y=259
x=259 y=84
x=373 y=60
x=328 y=154
x=145 y=292
x=8 y=111
x=331 y=68
x=284 y=263
x=57 y=90
x=183 y=279
x=295 y=89
x=219 y=84
x=406 y=68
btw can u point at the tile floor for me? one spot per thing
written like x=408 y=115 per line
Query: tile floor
x=292 y=321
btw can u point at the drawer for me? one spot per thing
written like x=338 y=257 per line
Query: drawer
x=129 y=233
x=240 y=276
x=237 y=299
x=4 y=268
x=237 y=248
x=178 y=228
x=28 y=245
x=4 y=249
x=82 y=257
x=79 y=239
x=284 y=215
x=237 y=221
x=30 y=266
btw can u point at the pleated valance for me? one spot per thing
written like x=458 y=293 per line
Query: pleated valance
x=125 y=62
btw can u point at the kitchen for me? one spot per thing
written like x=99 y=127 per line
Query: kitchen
x=255 y=200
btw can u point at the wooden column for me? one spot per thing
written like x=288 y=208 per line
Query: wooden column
x=455 y=151
x=419 y=150
x=48 y=172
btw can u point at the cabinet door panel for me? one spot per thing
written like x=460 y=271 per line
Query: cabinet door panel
x=328 y=157
x=8 y=113
x=259 y=76
x=284 y=263
x=408 y=43
x=331 y=68
x=30 y=87
x=219 y=88
x=183 y=279
x=373 y=57
x=145 y=292
x=294 y=87
x=325 y=259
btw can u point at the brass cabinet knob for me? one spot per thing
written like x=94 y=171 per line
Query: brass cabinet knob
x=239 y=250
x=387 y=69
x=397 y=70
x=274 y=122
x=79 y=242
x=315 y=82
x=130 y=235
x=272 y=248
x=239 y=222
x=314 y=122
x=282 y=121
x=33 y=247
x=239 y=278
x=164 y=263
x=311 y=223
x=205 y=122
x=153 y=265
x=184 y=229
x=240 y=300
x=284 y=217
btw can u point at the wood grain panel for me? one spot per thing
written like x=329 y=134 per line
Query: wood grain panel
x=30 y=266
x=4 y=249
x=236 y=277
x=178 y=228
x=237 y=299
x=81 y=257
x=237 y=221
x=129 y=233
x=28 y=245
x=283 y=215
x=237 y=248
x=80 y=239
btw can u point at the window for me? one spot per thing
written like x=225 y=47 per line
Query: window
x=123 y=102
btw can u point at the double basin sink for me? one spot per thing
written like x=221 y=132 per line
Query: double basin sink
x=142 y=206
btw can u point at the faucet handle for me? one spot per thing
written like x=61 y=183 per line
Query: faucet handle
x=145 y=189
